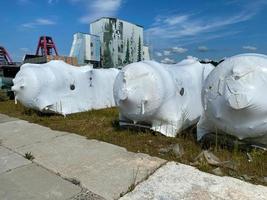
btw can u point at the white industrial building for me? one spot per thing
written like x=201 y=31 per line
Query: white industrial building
x=146 y=55
x=86 y=48
x=121 y=41
x=111 y=43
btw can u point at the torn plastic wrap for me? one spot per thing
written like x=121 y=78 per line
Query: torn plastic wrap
x=62 y=88
x=166 y=98
x=235 y=100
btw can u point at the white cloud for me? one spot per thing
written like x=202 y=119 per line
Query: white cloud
x=191 y=26
x=98 y=8
x=188 y=28
x=203 y=48
x=166 y=53
x=38 y=22
x=159 y=54
x=178 y=19
x=24 y=49
x=168 y=61
x=179 y=50
x=250 y=48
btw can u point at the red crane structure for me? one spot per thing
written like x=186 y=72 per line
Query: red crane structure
x=47 y=51
x=46 y=46
x=5 y=59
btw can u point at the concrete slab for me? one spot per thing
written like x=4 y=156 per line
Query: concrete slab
x=5 y=118
x=15 y=134
x=10 y=160
x=33 y=182
x=102 y=168
x=178 y=181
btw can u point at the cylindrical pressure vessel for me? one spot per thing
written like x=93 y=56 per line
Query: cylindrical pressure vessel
x=166 y=97
x=62 y=88
x=234 y=98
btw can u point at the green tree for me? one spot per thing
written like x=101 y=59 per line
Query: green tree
x=127 y=54
x=107 y=55
x=139 y=55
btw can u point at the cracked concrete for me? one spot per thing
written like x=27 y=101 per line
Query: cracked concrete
x=103 y=169
x=10 y=160
x=21 y=179
x=69 y=166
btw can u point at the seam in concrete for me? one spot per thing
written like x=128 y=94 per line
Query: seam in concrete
x=12 y=150
x=9 y=170
x=15 y=167
x=145 y=178
x=39 y=165
x=57 y=174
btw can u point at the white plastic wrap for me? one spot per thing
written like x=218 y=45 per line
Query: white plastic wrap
x=167 y=97
x=235 y=100
x=62 y=88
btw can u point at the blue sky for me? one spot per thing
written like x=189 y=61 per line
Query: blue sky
x=174 y=29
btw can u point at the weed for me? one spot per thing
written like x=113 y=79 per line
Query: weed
x=133 y=183
x=29 y=156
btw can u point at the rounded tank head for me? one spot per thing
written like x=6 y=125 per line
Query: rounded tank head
x=234 y=96
x=139 y=90
x=26 y=86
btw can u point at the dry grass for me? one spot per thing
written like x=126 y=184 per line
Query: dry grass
x=102 y=125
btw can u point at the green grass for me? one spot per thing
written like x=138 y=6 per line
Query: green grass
x=102 y=125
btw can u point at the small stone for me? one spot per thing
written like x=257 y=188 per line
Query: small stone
x=265 y=179
x=165 y=150
x=249 y=157
x=246 y=177
x=178 y=150
x=195 y=164
x=200 y=157
x=211 y=158
x=217 y=171
x=229 y=164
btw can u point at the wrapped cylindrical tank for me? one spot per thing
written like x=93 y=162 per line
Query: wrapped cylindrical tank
x=62 y=88
x=167 y=98
x=234 y=99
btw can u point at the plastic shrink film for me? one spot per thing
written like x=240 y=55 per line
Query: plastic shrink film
x=166 y=98
x=62 y=88
x=234 y=98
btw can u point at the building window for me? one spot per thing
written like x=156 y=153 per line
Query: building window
x=92 y=53
x=91 y=44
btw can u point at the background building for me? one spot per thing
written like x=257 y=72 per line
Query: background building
x=86 y=48
x=146 y=55
x=121 y=42
x=111 y=43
